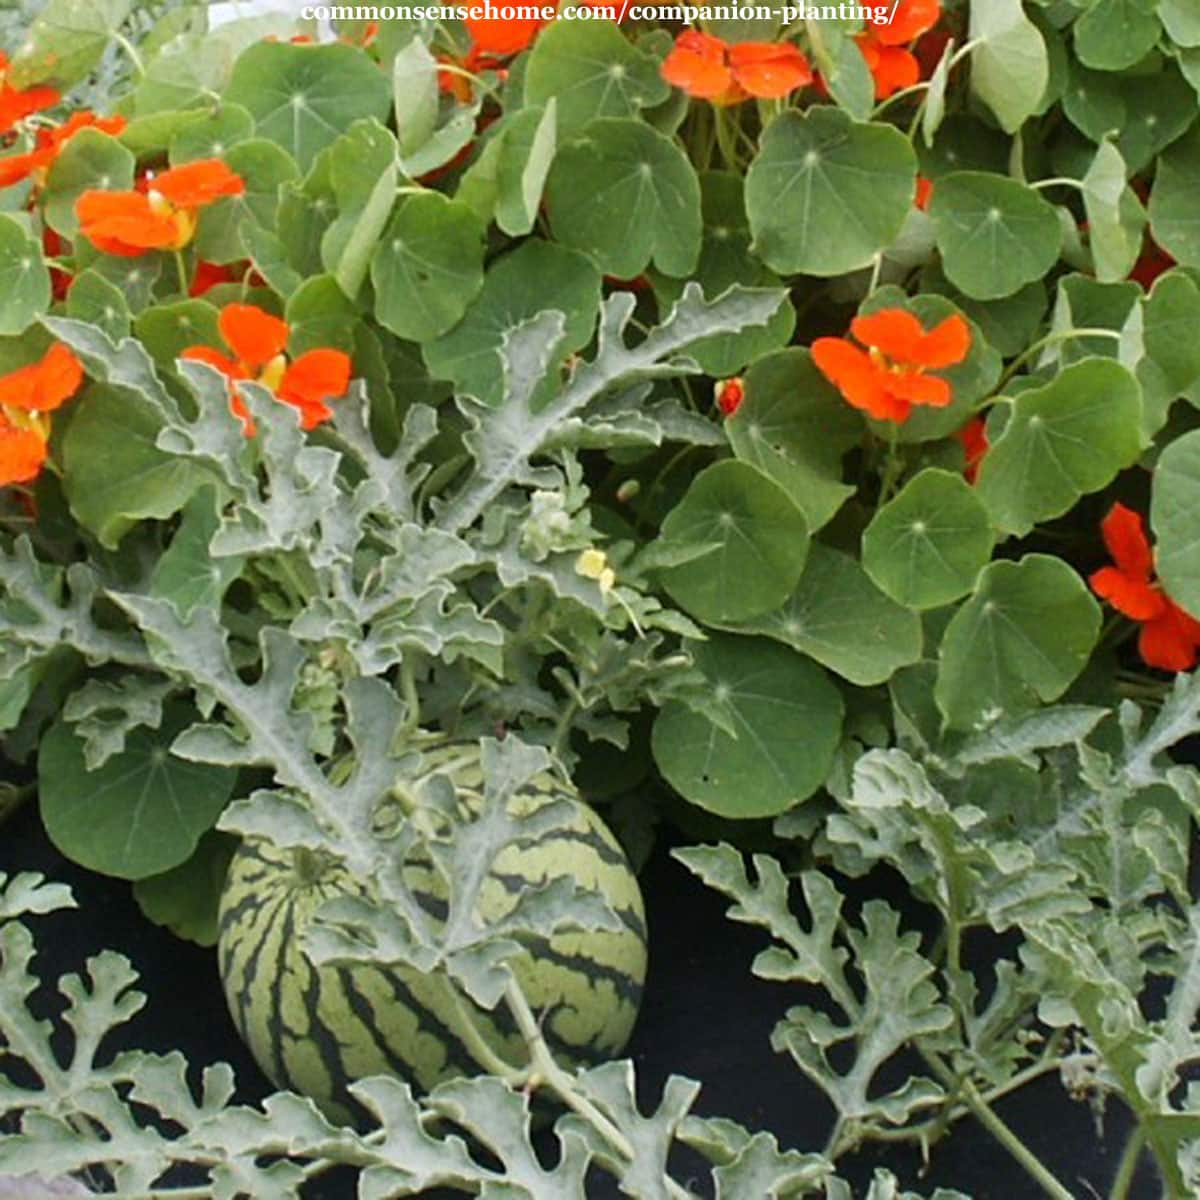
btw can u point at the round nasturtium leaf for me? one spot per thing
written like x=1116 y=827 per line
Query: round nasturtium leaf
x=264 y=167
x=1170 y=319
x=166 y=330
x=626 y=195
x=302 y=97
x=211 y=135
x=1062 y=441
x=1008 y=325
x=825 y=195
x=738 y=541
x=140 y=813
x=1181 y=20
x=839 y=617
x=110 y=492
x=1116 y=219
x=93 y=298
x=428 y=266
x=363 y=177
x=534 y=277
x=725 y=260
x=1114 y=34
x=1173 y=222
x=788 y=718
x=319 y=314
x=794 y=426
x=24 y=279
x=1010 y=64
x=995 y=234
x=1017 y=643
x=927 y=545
x=185 y=899
x=526 y=153
x=90 y=160
x=1175 y=501
x=592 y=70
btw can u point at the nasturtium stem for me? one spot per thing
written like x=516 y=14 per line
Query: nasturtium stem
x=725 y=139
x=902 y=94
x=477 y=80
x=182 y=275
x=1058 y=181
x=135 y=59
x=891 y=467
x=876 y=268
x=1051 y=339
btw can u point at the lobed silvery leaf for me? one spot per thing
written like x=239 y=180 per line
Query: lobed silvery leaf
x=762 y=1169
x=499 y=1119
x=1178 y=718
x=27 y=892
x=642 y=1169
x=809 y=955
x=473 y=952
x=900 y=1003
x=268 y=732
x=505 y=439
x=1021 y=736
x=105 y=713
x=49 y=607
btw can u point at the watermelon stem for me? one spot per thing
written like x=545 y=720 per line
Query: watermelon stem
x=309 y=864
x=412 y=702
x=545 y=1069
x=474 y=1041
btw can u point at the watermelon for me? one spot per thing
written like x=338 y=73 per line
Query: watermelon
x=317 y=1030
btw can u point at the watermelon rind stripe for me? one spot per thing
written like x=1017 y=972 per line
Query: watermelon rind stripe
x=317 y=1029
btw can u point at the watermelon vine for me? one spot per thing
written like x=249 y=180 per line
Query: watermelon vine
x=444 y=457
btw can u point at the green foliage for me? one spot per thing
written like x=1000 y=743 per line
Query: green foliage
x=735 y=545
x=825 y=195
x=784 y=720
x=528 y=513
x=642 y=176
x=995 y=234
x=24 y=280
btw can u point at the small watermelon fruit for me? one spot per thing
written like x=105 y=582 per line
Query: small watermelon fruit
x=317 y=1030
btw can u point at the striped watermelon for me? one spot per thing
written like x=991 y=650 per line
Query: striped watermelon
x=315 y=1031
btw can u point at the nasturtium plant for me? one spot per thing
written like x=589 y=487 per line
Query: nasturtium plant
x=425 y=443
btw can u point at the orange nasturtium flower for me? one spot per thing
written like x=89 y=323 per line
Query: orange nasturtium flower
x=974 y=440
x=710 y=69
x=16 y=105
x=163 y=217
x=49 y=144
x=888 y=377
x=1169 y=637
x=730 y=395
x=258 y=341
x=497 y=35
x=27 y=396
x=892 y=66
